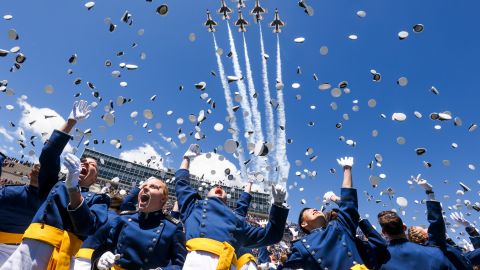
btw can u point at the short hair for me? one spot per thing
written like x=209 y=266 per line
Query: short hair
x=165 y=190
x=390 y=222
x=416 y=236
x=300 y=220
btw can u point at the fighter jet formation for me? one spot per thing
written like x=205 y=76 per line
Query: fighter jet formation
x=277 y=23
x=241 y=22
x=224 y=10
x=257 y=12
x=210 y=23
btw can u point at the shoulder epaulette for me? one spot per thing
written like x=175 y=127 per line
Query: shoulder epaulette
x=172 y=219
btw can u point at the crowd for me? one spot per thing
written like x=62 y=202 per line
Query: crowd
x=55 y=222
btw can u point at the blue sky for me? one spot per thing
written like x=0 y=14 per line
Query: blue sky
x=444 y=55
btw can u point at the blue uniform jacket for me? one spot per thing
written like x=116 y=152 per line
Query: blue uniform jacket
x=374 y=252
x=130 y=201
x=146 y=241
x=437 y=237
x=18 y=205
x=84 y=220
x=332 y=247
x=408 y=255
x=212 y=218
x=96 y=240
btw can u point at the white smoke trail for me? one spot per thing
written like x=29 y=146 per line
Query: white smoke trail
x=244 y=104
x=257 y=118
x=281 y=153
x=267 y=98
x=231 y=114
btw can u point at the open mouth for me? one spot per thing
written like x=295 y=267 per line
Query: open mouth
x=83 y=171
x=218 y=192
x=144 y=198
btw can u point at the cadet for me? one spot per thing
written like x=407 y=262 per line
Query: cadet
x=213 y=231
x=19 y=203
x=145 y=239
x=437 y=231
x=330 y=241
x=67 y=215
x=405 y=254
x=373 y=249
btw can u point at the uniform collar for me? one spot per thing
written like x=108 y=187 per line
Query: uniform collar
x=143 y=215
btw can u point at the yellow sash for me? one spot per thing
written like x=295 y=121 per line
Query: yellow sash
x=10 y=238
x=359 y=267
x=85 y=253
x=225 y=251
x=244 y=259
x=116 y=267
x=65 y=244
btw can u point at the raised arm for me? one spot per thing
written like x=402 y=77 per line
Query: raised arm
x=436 y=229
x=348 y=203
x=375 y=241
x=53 y=148
x=185 y=193
x=469 y=228
x=346 y=163
x=50 y=162
x=244 y=200
x=273 y=232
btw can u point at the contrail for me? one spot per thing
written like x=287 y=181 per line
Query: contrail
x=257 y=118
x=267 y=98
x=231 y=115
x=281 y=153
x=244 y=104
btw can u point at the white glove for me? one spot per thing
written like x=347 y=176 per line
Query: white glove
x=329 y=197
x=458 y=218
x=345 y=161
x=193 y=151
x=81 y=110
x=279 y=193
x=72 y=163
x=107 y=260
x=422 y=183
